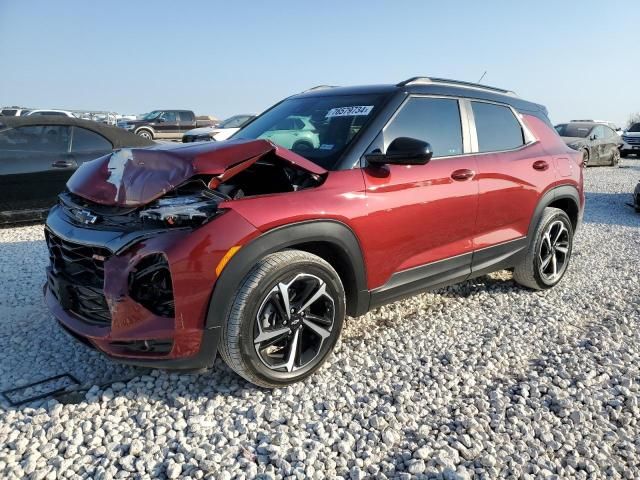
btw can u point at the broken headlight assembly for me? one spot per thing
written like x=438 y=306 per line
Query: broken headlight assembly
x=183 y=210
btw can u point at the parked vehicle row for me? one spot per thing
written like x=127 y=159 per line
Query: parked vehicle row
x=258 y=246
x=38 y=155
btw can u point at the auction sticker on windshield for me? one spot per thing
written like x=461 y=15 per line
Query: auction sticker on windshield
x=350 y=111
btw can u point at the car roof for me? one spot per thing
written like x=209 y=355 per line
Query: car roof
x=117 y=136
x=431 y=86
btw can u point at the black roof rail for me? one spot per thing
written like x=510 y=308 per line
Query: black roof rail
x=446 y=81
x=319 y=87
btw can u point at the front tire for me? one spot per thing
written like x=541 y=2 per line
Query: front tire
x=285 y=320
x=144 y=133
x=585 y=157
x=549 y=252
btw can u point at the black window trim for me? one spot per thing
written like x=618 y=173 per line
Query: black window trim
x=464 y=125
x=528 y=137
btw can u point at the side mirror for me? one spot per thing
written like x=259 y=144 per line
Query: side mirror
x=402 y=151
x=592 y=137
x=161 y=120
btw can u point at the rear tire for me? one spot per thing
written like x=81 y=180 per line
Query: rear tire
x=273 y=336
x=548 y=253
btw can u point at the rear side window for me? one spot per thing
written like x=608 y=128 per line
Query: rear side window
x=497 y=127
x=36 y=138
x=433 y=120
x=186 y=117
x=87 y=141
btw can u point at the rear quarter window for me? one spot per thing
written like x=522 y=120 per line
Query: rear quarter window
x=87 y=141
x=497 y=127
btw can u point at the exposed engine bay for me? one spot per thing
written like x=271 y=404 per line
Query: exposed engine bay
x=194 y=202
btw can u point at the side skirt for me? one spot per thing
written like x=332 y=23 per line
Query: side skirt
x=448 y=271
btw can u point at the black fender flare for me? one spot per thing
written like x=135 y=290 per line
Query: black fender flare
x=339 y=235
x=561 y=192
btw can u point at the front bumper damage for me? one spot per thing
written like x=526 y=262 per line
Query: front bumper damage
x=91 y=288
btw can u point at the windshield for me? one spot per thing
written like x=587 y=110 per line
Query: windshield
x=317 y=128
x=634 y=128
x=234 y=122
x=151 y=115
x=576 y=130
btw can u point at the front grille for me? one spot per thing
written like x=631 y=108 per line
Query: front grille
x=631 y=140
x=78 y=278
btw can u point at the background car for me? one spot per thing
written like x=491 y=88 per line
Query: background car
x=168 y=124
x=39 y=154
x=631 y=141
x=294 y=132
x=598 y=143
x=14 y=111
x=222 y=131
x=51 y=113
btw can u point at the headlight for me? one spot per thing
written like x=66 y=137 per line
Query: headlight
x=181 y=211
x=575 y=146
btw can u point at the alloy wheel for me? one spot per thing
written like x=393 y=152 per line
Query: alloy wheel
x=554 y=252
x=293 y=322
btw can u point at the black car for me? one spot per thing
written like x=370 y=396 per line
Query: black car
x=598 y=142
x=39 y=154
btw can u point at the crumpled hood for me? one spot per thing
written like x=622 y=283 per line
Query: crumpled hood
x=132 y=177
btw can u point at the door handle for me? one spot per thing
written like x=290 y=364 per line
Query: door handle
x=462 y=174
x=540 y=165
x=62 y=164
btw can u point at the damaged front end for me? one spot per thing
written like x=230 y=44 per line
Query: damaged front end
x=133 y=261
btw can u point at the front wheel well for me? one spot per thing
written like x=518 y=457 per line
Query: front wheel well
x=568 y=206
x=340 y=261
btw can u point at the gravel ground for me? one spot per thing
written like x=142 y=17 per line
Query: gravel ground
x=481 y=380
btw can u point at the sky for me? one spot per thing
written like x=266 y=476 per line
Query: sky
x=228 y=57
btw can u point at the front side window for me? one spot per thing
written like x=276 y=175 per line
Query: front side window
x=87 y=141
x=36 y=138
x=433 y=120
x=598 y=133
x=320 y=128
x=170 y=116
x=497 y=128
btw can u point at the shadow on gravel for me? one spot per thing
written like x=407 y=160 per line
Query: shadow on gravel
x=610 y=209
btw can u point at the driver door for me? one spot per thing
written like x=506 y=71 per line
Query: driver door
x=422 y=217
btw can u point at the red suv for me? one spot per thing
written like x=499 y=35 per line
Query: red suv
x=164 y=256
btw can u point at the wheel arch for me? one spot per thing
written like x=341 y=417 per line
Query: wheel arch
x=331 y=240
x=564 y=197
x=148 y=129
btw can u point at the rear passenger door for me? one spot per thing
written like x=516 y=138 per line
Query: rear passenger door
x=513 y=171
x=187 y=121
x=422 y=217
